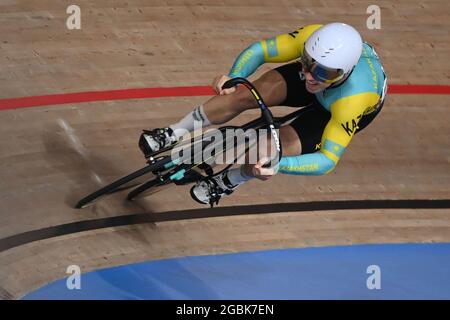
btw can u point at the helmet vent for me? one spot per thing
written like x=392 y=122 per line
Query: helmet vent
x=327 y=52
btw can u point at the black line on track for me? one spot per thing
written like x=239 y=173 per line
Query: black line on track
x=87 y=225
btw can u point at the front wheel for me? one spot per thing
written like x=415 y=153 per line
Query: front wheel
x=148 y=188
x=126 y=182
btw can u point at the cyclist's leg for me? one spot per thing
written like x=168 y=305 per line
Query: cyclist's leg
x=280 y=86
x=271 y=85
x=302 y=136
x=290 y=141
x=291 y=146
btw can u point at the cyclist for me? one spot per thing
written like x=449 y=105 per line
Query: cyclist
x=336 y=76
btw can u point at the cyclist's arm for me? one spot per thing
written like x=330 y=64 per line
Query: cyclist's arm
x=282 y=48
x=345 y=116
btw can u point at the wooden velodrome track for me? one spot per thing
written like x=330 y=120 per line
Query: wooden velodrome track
x=50 y=156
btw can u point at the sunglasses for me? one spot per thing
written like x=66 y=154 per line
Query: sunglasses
x=319 y=72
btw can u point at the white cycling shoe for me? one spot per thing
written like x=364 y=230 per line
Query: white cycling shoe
x=210 y=190
x=156 y=139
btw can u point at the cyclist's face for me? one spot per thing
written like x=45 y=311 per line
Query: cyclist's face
x=312 y=85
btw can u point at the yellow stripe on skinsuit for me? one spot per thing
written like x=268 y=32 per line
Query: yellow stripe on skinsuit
x=289 y=45
x=330 y=155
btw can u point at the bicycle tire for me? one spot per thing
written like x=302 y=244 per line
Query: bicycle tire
x=139 y=191
x=115 y=186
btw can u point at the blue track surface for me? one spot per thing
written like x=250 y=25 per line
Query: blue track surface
x=408 y=271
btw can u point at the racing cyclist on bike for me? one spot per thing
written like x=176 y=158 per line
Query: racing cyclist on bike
x=336 y=76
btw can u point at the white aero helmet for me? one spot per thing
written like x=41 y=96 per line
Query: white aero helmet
x=332 y=51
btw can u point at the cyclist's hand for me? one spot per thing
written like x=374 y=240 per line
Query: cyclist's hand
x=218 y=83
x=263 y=173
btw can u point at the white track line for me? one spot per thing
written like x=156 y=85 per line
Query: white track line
x=76 y=145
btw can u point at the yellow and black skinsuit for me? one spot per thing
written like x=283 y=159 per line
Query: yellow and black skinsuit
x=361 y=94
